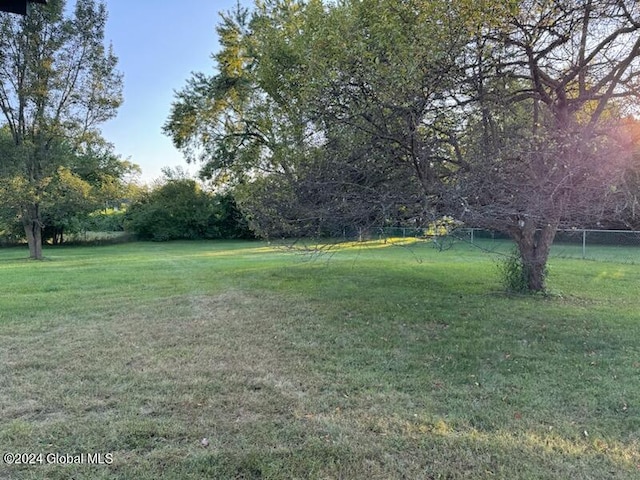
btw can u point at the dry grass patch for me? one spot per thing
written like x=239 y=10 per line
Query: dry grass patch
x=155 y=381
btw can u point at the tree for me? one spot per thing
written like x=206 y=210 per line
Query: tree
x=66 y=201
x=226 y=121
x=319 y=112
x=89 y=180
x=57 y=83
x=548 y=88
x=111 y=177
x=372 y=111
x=178 y=208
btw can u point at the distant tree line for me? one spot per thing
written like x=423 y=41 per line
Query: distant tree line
x=178 y=208
x=95 y=197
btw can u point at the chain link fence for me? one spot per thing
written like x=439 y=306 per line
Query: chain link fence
x=614 y=245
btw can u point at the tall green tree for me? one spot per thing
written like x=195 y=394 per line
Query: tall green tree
x=369 y=111
x=92 y=179
x=235 y=122
x=58 y=82
x=320 y=110
x=86 y=182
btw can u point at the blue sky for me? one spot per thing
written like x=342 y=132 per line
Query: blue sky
x=158 y=43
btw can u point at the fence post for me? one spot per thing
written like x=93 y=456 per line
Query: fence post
x=584 y=244
x=472 y=236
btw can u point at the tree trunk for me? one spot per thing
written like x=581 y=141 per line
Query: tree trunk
x=33 y=231
x=534 y=246
x=57 y=237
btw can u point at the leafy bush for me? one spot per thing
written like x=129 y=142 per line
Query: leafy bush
x=229 y=220
x=109 y=220
x=515 y=273
x=180 y=209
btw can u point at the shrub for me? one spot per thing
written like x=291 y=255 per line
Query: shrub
x=109 y=220
x=180 y=209
x=515 y=273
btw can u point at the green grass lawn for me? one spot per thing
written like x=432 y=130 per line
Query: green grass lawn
x=373 y=362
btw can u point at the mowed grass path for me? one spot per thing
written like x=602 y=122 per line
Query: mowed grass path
x=374 y=362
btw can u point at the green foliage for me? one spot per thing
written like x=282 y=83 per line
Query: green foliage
x=111 y=177
x=109 y=220
x=229 y=219
x=180 y=209
x=329 y=113
x=85 y=181
x=515 y=273
x=325 y=113
x=59 y=82
x=66 y=202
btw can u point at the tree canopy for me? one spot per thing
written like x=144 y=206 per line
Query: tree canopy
x=358 y=113
x=86 y=180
